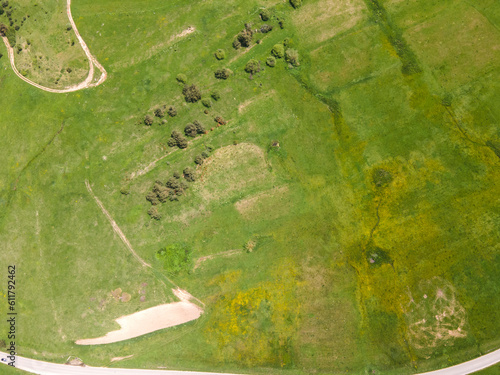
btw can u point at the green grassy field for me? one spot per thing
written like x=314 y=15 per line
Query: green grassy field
x=373 y=226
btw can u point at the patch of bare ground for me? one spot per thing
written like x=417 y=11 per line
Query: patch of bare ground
x=270 y=202
x=231 y=170
x=150 y=320
x=116 y=359
x=223 y=254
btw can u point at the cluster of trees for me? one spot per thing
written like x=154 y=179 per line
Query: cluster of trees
x=160 y=113
x=199 y=159
x=244 y=37
x=192 y=130
x=177 y=139
x=171 y=190
x=296 y=3
x=279 y=51
x=220 y=121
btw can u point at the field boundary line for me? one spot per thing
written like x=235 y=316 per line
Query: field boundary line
x=92 y=62
x=115 y=226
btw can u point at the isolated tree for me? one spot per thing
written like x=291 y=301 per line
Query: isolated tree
x=271 y=61
x=215 y=95
x=172 y=112
x=265 y=29
x=278 y=51
x=292 y=57
x=191 y=93
x=176 y=175
x=265 y=14
x=206 y=103
x=223 y=73
x=153 y=212
x=252 y=66
x=189 y=174
x=198 y=159
x=296 y=3
x=160 y=112
x=148 y=120
x=220 y=54
x=245 y=37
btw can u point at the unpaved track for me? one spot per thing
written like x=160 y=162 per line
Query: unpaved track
x=115 y=226
x=92 y=63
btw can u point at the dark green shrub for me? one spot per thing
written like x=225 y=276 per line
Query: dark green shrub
x=200 y=129
x=204 y=155
x=198 y=159
x=189 y=174
x=265 y=29
x=223 y=73
x=177 y=175
x=148 y=120
x=287 y=42
x=265 y=14
x=206 y=103
x=172 y=112
x=296 y=3
x=182 y=143
x=271 y=61
x=172 y=142
x=176 y=135
x=252 y=66
x=215 y=95
x=220 y=54
x=191 y=93
x=219 y=120
x=190 y=130
x=181 y=78
x=245 y=37
x=153 y=212
x=160 y=112
x=292 y=57
x=236 y=44
x=152 y=198
x=278 y=51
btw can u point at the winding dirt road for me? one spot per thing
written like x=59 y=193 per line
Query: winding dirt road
x=93 y=63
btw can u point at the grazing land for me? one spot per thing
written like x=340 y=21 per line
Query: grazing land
x=328 y=189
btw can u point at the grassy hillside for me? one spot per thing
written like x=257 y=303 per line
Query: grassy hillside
x=345 y=218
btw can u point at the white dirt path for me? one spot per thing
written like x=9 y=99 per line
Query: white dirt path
x=92 y=63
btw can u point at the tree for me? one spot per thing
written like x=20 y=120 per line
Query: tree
x=245 y=37
x=153 y=212
x=296 y=3
x=198 y=159
x=190 y=130
x=200 y=129
x=252 y=66
x=189 y=174
x=206 y=103
x=175 y=258
x=182 y=143
x=177 y=175
x=278 y=51
x=265 y=14
x=271 y=61
x=219 y=120
x=148 y=120
x=181 y=78
x=215 y=95
x=220 y=54
x=3 y=30
x=223 y=73
x=152 y=198
x=172 y=112
x=191 y=93
x=265 y=29
x=160 y=112
x=292 y=57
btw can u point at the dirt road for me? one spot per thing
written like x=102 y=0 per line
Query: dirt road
x=92 y=63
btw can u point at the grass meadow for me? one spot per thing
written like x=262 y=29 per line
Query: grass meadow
x=373 y=226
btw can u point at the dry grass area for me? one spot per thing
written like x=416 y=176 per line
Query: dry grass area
x=233 y=170
x=454 y=39
x=271 y=203
x=322 y=20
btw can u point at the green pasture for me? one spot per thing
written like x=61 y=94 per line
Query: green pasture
x=336 y=251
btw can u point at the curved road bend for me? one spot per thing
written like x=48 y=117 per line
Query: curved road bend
x=46 y=368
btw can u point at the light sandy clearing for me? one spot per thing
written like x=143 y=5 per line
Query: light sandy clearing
x=92 y=62
x=116 y=359
x=150 y=320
